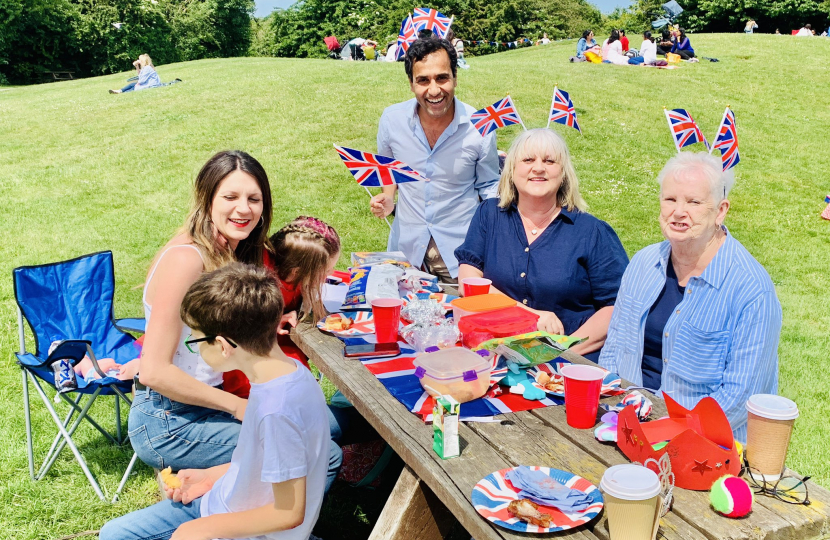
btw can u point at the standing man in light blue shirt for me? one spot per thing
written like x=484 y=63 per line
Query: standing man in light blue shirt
x=433 y=134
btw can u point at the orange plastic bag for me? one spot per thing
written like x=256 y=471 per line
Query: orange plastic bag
x=672 y=58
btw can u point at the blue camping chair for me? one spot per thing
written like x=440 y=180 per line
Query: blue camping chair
x=71 y=302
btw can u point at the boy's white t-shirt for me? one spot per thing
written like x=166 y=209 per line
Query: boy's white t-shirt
x=285 y=435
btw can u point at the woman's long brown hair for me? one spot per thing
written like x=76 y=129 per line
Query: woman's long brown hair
x=199 y=225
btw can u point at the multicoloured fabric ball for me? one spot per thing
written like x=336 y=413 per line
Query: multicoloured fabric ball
x=731 y=496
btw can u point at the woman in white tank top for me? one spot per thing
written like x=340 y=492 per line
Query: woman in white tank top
x=180 y=416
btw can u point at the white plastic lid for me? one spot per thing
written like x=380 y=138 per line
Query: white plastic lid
x=772 y=407
x=451 y=363
x=630 y=482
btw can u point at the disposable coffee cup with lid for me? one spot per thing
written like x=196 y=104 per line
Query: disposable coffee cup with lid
x=770 y=420
x=632 y=502
x=630 y=482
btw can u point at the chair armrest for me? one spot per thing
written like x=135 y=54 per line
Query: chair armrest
x=131 y=325
x=73 y=350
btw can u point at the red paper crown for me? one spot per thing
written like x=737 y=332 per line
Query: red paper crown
x=700 y=443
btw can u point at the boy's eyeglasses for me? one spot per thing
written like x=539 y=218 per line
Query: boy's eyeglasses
x=190 y=341
x=788 y=488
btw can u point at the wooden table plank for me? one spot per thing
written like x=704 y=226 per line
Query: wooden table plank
x=451 y=480
x=524 y=438
x=766 y=521
x=544 y=439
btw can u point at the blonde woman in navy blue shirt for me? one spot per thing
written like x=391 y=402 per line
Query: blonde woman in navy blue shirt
x=539 y=246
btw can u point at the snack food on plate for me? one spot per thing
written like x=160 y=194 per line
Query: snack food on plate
x=337 y=323
x=527 y=510
x=170 y=480
x=551 y=384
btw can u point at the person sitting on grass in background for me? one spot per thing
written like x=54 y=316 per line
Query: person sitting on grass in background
x=683 y=46
x=586 y=42
x=648 y=52
x=147 y=76
x=624 y=41
x=273 y=486
x=612 y=50
x=665 y=43
x=807 y=30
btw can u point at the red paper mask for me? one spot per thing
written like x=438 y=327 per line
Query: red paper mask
x=700 y=443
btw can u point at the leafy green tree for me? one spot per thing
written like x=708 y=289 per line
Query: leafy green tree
x=300 y=29
x=35 y=35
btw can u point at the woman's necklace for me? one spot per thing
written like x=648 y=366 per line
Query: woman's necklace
x=537 y=228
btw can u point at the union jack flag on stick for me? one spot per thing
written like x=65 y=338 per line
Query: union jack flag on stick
x=562 y=110
x=499 y=114
x=727 y=140
x=372 y=170
x=407 y=35
x=433 y=20
x=684 y=129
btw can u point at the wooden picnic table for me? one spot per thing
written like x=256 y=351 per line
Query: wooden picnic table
x=431 y=491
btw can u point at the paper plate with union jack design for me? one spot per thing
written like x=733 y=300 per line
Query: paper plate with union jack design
x=493 y=493
x=363 y=324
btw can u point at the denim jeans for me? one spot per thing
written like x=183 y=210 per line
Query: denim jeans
x=129 y=88
x=167 y=433
x=157 y=522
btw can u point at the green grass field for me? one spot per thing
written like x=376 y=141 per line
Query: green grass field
x=83 y=171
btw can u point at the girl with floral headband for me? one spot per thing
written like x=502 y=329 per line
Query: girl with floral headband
x=305 y=252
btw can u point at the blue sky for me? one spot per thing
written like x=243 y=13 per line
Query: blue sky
x=264 y=7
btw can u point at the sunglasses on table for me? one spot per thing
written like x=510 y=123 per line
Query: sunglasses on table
x=789 y=488
x=191 y=341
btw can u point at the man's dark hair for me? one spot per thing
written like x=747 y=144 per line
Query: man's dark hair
x=239 y=302
x=421 y=48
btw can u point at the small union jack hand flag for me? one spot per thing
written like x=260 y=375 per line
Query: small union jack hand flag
x=562 y=110
x=727 y=140
x=431 y=19
x=372 y=170
x=499 y=114
x=684 y=129
x=405 y=38
x=826 y=213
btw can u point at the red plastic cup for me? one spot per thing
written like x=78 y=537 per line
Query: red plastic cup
x=582 y=388
x=473 y=286
x=386 y=312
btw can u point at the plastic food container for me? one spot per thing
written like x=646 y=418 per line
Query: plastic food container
x=456 y=372
x=482 y=303
x=512 y=321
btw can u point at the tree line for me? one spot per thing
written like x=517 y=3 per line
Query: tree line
x=96 y=37
x=729 y=15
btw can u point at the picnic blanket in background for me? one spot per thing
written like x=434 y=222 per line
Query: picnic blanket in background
x=397 y=374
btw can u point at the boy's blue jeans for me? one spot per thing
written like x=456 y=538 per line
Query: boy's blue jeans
x=167 y=433
x=157 y=522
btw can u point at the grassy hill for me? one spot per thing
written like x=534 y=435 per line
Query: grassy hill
x=82 y=170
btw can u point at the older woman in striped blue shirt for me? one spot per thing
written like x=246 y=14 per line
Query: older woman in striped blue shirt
x=696 y=315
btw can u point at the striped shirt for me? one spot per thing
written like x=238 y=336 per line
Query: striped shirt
x=722 y=339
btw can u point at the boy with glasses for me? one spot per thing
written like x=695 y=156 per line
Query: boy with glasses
x=273 y=486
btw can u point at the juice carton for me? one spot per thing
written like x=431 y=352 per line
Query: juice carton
x=445 y=427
